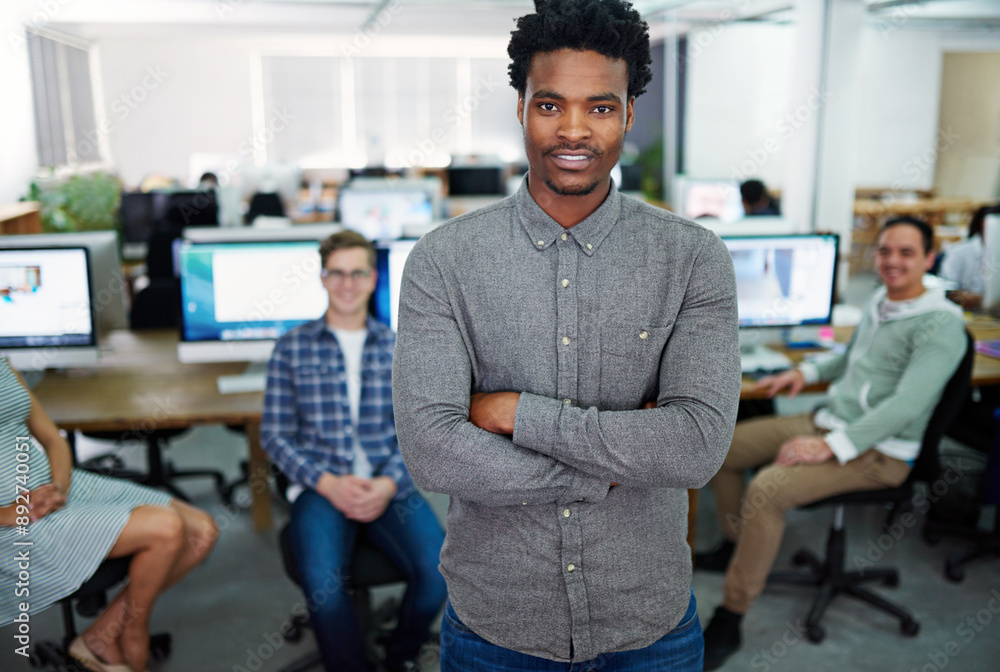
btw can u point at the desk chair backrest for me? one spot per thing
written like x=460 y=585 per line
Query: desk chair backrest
x=928 y=465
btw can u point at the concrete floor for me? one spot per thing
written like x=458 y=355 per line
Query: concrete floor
x=226 y=615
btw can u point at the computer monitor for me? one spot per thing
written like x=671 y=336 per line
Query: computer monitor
x=784 y=281
x=46 y=319
x=715 y=199
x=476 y=181
x=140 y=215
x=431 y=184
x=991 y=264
x=378 y=214
x=109 y=287
x=390 y=257
x=240 y=293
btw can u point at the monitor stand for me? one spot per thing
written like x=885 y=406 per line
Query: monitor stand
x=253 y=379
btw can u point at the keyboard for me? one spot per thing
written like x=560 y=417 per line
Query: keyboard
x=241 y=382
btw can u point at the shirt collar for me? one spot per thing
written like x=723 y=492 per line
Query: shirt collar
x=588 y=234
x=316 y=328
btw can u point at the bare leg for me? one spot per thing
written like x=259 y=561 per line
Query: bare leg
x=154 y=536
x=199 y=536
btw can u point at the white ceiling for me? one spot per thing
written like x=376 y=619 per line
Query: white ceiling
x=92 y=19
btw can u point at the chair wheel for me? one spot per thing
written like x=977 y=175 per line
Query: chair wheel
x=225 y=493
x=160 y=646
x=35 y=660
x=932 y=537
x=801 y=558
x=815 y=634
x=891 y=581
x=954 y=573
x=910 y=628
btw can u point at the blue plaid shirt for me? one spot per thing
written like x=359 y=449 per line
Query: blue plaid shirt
x=307 y=428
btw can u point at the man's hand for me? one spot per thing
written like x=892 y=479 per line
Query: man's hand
x=804 y=450
x=45 y=500
x=494 y=411
x=375 y=500
x=792 y=379
x=342 y=491
x=359 y=499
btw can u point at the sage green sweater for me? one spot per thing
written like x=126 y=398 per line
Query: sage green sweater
x=889 y=380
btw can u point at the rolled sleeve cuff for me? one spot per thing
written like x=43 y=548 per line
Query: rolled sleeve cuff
x=810 y=372
x=309 y=476
x=841 y=446
x=536 y=422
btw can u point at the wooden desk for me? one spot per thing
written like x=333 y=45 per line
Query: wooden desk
x=140 y=386
x=22 y=217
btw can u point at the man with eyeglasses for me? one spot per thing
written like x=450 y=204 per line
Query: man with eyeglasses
x=328 y=425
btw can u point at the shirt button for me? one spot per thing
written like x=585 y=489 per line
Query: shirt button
x=565 y=340
x=565 y=282
x=567 y=400
x=541 y=243
x=570 y=567
x=564 y=236
x=565 y=513
x=644 y=334
x=589 y=246
x=524 y=503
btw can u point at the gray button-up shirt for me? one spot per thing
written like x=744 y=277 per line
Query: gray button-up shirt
x=632 y=304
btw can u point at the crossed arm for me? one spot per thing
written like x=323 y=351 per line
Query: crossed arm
x=511 y=448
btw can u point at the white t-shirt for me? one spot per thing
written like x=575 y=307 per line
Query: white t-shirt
x=352 y=343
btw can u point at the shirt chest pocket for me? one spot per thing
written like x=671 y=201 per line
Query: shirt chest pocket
x=630 y=364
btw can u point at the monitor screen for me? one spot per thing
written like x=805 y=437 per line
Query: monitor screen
x=380 y=215
x=718 y=199
x=784 y=281
x=246 y=292
x=108 y=285
x=45 y=306
x=390 y=257
x=476 y=181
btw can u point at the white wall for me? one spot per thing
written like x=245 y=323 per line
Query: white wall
x=18 y=159
x=198 y=92
x=738 y=84
x=739 y=81
x=901 y=83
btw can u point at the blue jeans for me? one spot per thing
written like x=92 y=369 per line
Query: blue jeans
x=680 y=650
x=323 y=541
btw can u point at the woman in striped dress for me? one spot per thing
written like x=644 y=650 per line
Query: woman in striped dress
x=57 y=524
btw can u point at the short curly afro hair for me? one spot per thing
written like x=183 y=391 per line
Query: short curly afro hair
x=609 y=27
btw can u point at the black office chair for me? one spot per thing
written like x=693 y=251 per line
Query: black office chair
x=829 y=573
x=370 y=567
x=89 y=599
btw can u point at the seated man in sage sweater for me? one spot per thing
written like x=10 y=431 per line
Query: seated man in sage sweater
x=883 y=391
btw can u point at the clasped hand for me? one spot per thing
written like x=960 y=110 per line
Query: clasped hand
x=360 y=499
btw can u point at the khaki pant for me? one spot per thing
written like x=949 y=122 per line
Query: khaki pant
x=754 y=516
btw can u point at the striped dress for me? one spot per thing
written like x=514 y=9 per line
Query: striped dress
x=67 y=545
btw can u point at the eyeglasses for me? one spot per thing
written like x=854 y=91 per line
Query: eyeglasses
x=337 y=276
